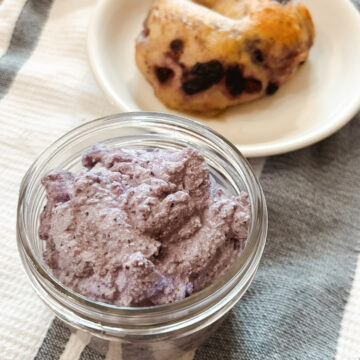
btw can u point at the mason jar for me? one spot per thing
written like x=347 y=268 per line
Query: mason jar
x=159 y=332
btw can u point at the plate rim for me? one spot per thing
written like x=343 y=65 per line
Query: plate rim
x=250 y=151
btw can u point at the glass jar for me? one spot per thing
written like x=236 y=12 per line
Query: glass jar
x=164 y=331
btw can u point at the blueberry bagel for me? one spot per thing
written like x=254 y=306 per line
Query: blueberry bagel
x=206 y=55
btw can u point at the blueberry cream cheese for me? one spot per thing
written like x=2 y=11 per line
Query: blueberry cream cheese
x=138 y=227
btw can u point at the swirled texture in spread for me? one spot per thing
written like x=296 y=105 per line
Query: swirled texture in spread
x=143 y=228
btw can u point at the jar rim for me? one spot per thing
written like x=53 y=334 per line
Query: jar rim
x=240 y=272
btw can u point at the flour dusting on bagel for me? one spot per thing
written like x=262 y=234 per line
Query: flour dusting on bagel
x=206 y=55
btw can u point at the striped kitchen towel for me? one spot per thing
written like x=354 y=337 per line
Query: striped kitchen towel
x=305 y=300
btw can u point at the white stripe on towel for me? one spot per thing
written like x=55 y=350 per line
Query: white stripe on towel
x=114 y=352
x=188 y=356
x=76 y=344
x=9 y=12
x=348 y=347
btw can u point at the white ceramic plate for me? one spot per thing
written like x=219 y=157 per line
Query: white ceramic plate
x=322 y=97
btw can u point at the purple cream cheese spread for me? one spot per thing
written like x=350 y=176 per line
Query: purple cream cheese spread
x=143 y=228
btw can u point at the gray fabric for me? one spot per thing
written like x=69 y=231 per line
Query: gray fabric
x=356 y=3
x=54 y=343
x=90 y=354
x=95 y=350
x=25 y=36
x=294 y=308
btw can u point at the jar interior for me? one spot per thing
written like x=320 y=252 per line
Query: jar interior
x=143 y=131
x=68 y=158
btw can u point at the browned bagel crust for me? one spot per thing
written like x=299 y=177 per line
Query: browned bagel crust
x=206 y=55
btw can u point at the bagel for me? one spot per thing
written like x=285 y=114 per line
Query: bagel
x=206 y=55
